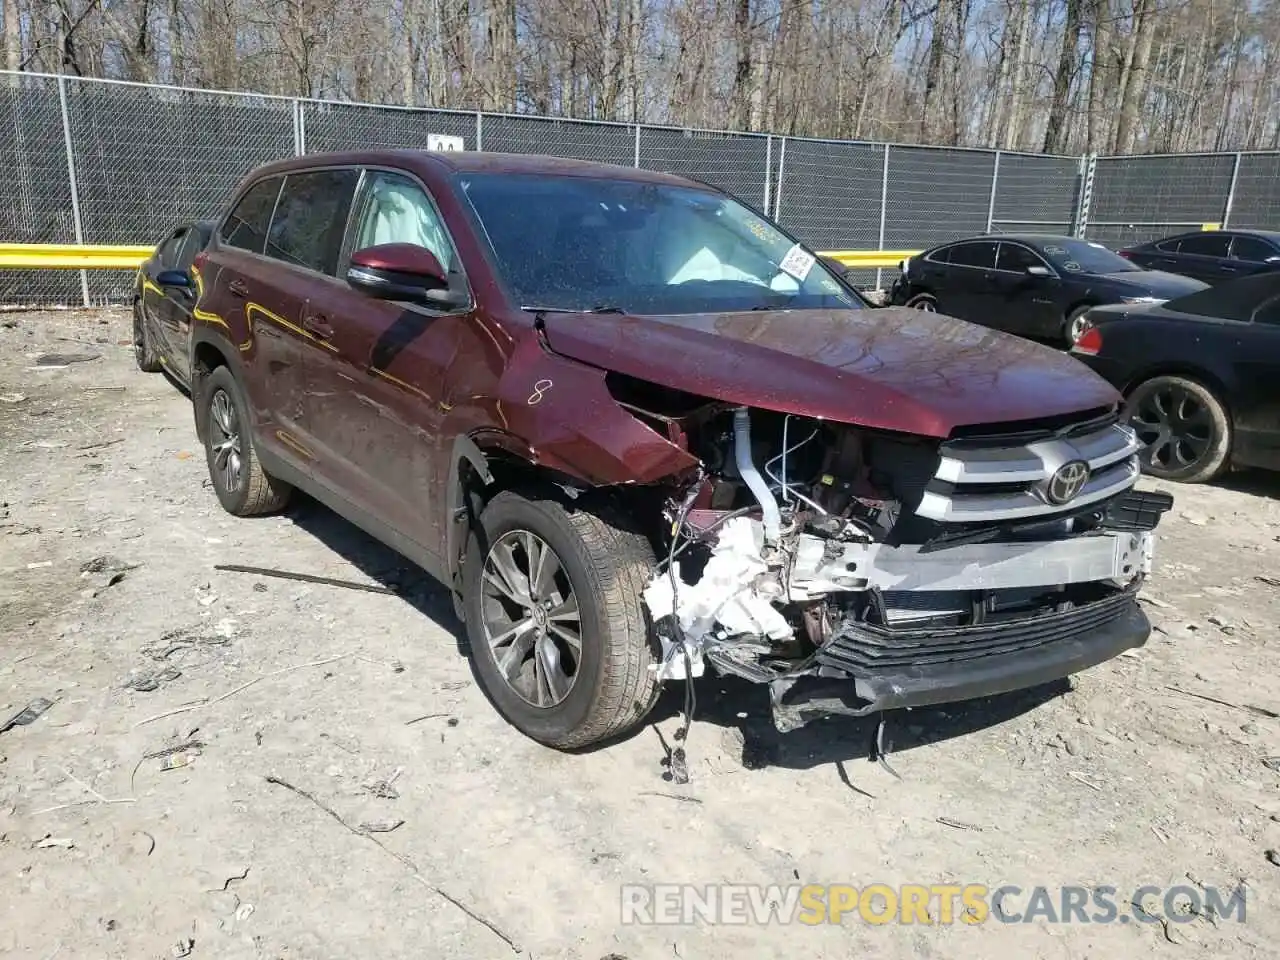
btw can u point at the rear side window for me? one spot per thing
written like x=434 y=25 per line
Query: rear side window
x=1205 y=244
x=942 y=255
x=311 y=218
x=246 y=226
x=978 y=254
x=1252 y=249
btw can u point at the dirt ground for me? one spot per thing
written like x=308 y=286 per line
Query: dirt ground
x=365 y=703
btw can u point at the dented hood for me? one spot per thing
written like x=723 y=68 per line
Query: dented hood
x=890 y=368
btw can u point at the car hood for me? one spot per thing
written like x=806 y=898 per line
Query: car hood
x=1155 y=283
x=890 y=368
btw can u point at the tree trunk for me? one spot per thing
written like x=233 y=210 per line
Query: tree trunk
x=1055 y=134
x=742 y=70
x=1018 y=71
x=1135 y=87
x=933 y=70
x=12 y=36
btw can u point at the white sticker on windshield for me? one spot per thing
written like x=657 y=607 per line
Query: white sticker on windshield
x=797 y=263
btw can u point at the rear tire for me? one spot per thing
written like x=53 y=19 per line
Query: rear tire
x=144 y=354
x=1184 y=428
x=923 y=301
x=574 y=681
x=243 y=488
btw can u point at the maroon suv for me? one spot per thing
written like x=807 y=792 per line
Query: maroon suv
x=637 y=429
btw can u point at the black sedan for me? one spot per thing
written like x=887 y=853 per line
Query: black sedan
x=1201 y=376
x=1030 y=284
x=163 y=297
x=1213 y=256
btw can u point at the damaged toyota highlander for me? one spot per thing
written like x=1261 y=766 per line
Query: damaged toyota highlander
x=642 y=433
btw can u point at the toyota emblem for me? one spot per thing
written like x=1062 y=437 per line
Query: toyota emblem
x=1067 y=482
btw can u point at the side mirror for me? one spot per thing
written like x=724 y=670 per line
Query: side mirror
x=402 y=271
x=173 y=278
x=1039 y=271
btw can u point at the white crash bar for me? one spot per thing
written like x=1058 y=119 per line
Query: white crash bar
x=979 y=566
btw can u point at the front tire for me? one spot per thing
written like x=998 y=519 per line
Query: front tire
x=1184 y=428
x=556 y=621
x=924 y=301
x=243 y=488
x=1074 y=326
x=144 y=354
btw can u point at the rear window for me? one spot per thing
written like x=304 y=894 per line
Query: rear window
x=1205 y=245
x=979 y=254
x=246 y=225
x=311 y=217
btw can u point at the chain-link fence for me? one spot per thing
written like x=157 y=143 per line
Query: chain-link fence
x=97 y=161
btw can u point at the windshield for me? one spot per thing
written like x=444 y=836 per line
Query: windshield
x=579 y=243
x=1082 y=256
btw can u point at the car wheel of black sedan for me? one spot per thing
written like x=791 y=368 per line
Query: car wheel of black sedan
x=1184 y=429
x=1074 y=326
x=923 y=301
x=143 y=352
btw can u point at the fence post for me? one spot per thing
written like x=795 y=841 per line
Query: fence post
x=1231 y=193
x=299 y=129
x=768 y=169
x=777 y=193
x=884 y=204
x=479 y=131
x=637 y=160
x=1088 y=165
x=991 y=201
x=71 y=175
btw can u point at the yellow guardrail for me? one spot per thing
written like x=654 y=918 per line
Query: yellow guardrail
x=869 y=258
x=65 y=256
x=55 y=256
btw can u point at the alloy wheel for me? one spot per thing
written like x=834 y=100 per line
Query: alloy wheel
x=1175 y=427
x=925 y=304
x=224 y=441
x=531 y=619
x=1078 y=326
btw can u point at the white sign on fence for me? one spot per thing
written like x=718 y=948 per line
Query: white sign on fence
x=438 y=141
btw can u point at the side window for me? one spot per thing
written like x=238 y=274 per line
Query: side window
x=1208 y=244
x=1251 y=248
x=1016 y=258
x=394 y=209
x=1169 y=246
x=942 y=255
x=246 y=226
x=1268 y=313
x=980 y=253
x=311 y=218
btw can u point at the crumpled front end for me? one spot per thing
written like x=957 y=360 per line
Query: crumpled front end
x=856 y=571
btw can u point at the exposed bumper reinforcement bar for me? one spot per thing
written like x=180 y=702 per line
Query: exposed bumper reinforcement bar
x=890 y=669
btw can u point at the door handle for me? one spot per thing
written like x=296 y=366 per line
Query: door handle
x=317 y=325
x=239 y=288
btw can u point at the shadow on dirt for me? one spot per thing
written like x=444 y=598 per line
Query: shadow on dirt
x=727 y=703
x=742 y=707
x=1256 y=483
x=380 y=563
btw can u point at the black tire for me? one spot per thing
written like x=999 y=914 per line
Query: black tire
x=1184 y=427
x=923 y=301
x=607 y=568
x=248 y=491
x=1071 y=322
x=144 y=354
